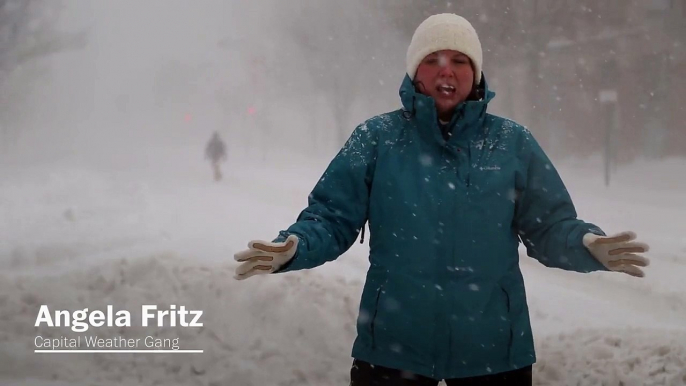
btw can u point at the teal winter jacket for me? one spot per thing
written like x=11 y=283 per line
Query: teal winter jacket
x=444 y=296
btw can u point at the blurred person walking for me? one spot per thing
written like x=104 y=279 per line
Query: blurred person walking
x=215 y=151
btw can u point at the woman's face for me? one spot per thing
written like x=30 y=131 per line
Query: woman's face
x=448 y=77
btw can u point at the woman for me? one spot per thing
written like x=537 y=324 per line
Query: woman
x=449 y=191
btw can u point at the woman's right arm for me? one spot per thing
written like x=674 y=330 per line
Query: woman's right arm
x=337 y=206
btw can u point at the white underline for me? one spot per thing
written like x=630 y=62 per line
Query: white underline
x=119 y=351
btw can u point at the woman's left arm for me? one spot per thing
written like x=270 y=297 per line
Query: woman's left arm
x=545 y=216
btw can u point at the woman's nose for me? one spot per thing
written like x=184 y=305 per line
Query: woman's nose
x=445 y=70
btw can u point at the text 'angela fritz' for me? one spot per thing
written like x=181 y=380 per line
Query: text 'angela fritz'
x=82 y=320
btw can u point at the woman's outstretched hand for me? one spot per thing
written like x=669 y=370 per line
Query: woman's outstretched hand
x=619 y=252
x=263 y=257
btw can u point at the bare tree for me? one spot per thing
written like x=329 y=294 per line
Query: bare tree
x=345 y=54
x=27 y=33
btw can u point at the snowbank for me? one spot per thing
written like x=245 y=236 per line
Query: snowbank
x=621 y=357
x=292 y=329
x=285 y=330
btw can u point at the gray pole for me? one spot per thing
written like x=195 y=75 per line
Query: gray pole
x=609 y=99
x=608 y=142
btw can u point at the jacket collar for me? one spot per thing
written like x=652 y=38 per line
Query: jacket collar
x=466 y=118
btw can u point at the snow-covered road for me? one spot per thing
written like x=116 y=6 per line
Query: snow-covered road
x=73 y=237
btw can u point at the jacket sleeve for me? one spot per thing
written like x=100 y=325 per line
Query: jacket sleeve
x=545 y=217
x=337 y=206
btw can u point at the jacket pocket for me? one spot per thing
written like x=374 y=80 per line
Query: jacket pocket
x=373 y=321
x=509 y=317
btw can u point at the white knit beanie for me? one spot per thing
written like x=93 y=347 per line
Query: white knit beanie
x=445 y=31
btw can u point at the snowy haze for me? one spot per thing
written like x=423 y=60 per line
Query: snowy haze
x=158 y=77
x=105 y=199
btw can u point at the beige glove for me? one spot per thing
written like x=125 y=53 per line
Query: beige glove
x=618 y=252
x=264 y=257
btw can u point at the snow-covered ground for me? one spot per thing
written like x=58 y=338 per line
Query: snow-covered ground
x=73 y=237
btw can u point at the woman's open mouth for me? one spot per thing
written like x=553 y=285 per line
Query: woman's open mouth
x=446 y=90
